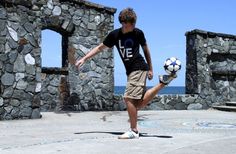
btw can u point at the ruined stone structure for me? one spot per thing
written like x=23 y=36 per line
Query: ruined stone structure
x=211 y=66
x=25 y=86
x=210 y=73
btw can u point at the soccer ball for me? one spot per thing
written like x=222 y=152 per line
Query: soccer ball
x=172 y=65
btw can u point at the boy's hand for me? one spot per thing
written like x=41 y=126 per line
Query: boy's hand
x=79 y=63
x=150 y=75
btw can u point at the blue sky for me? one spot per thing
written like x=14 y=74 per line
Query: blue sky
x=164 y=24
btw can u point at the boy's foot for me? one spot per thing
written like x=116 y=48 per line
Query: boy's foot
x=166 y=79
x=129 y=135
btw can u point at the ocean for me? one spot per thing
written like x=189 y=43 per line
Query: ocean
x=167 y=90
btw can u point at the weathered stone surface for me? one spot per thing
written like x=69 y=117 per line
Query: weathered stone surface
x=12 y=44
x=21 y=31
x=7 y=79
x=79 y=12
x=30 y=88
x=35 y=8
x=84 y=32
x=12 y=56
x=35 y=114
x=1 y=102
x=196 y=106
x=31 y=39
x=2 y=112
x=21 y=95
x=56 y=11
x=97 y=20
x=52 y=90
x=21 y=84
x=12 y=33
x=2 y=48
x=3 y=13
x=65 y=24
x=92 y=26
x=50 y=4
x=2 y=25
x=3 y=57
x=1 y=66
x=38 y=87
x=29 y=27
x=55 y=82
x=29 y=59
x=47 y=11
x=7 y=47
x=19 y=65
x=15 y=102
x=9 y=68
x=8 y=109
x=190 y=100
x=76 y=20
x=36 y=101
x=15 y=112
x=30 y=69
x=180 y=106
x=26 y=112
x=64 y=7
x=26 y=103
x=7 y=92
x=27 y=48
x=19 y=76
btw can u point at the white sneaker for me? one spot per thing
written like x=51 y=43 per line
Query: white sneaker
x=129 y=135
x=166 y=79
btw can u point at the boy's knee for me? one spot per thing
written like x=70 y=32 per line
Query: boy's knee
x=127 y=100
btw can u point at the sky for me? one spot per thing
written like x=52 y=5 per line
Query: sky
x=164 y=23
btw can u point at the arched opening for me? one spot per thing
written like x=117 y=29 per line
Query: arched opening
x=55 y=90
x=54 y=49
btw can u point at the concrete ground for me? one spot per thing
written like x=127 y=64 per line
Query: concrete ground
x=163 y=132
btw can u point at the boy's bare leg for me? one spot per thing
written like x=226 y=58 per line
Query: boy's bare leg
x=133 y=105
x=149 y=95
x=132 y=111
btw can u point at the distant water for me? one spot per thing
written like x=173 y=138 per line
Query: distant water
x=167 y=90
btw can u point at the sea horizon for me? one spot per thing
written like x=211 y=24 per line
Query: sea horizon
x=119 y=90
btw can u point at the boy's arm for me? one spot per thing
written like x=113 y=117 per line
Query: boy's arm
x=90 y=54
x=149 y=60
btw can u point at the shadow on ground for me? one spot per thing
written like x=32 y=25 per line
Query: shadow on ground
x=120 y=133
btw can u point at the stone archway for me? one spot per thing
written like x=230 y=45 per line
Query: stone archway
x=55 y=91
x=84 y=25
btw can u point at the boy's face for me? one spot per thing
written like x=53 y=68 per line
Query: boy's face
x=127 y=26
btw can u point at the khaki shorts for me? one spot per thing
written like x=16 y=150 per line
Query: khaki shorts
x=136 y=85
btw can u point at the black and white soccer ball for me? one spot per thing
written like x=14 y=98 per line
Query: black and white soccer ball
x=172 y=65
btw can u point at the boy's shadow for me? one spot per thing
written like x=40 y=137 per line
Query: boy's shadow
x=120 y=133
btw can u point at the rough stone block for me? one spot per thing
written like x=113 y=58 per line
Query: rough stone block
x=196 y=106
x=7 y=79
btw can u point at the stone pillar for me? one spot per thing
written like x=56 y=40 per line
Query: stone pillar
x=211 y=66
x=20 y=63
x=94 y=82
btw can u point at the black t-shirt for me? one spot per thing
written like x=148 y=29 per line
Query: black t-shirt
x=128 y=46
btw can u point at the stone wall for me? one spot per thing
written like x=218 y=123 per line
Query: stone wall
x=55 y=91
x=82 y=24
x=166 y=102
x=211 y=66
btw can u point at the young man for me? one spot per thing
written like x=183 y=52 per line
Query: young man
x=128 y=39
